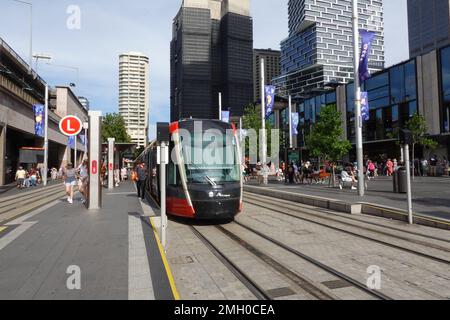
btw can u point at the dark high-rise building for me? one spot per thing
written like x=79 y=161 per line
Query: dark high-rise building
x=271 y=68
x=211 y=52
x=429 y=25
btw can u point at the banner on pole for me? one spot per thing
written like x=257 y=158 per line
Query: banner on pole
x=39 y=116
x=226 y=116
x=71 y=142
x=295 y=123
x=365 y=110
x=366 y=40
x=270 y=99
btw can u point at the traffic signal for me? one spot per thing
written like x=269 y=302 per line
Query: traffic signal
x=163 y=132
x=406 y=137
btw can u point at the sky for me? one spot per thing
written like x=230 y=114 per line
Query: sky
x=108 y=28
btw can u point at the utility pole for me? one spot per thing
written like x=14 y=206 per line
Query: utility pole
x=45 y=175
x=263 y=119
x=358 y=118
x=220 y=106
x=291 y=143
x=31 y=32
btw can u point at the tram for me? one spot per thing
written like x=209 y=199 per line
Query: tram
x=204 y=177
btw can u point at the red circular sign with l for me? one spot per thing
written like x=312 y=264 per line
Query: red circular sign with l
x=70 y=126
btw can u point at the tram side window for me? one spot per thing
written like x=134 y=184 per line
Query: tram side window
x=173 y=175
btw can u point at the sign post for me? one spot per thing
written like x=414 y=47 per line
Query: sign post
x=406 y=139
x=95 y=154
x=111 y=146
x=163 y=137
x=45 y=175
x=71 y=126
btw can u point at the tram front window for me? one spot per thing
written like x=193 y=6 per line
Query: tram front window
x=212 y=162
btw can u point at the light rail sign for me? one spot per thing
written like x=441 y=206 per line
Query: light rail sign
x=70 y=126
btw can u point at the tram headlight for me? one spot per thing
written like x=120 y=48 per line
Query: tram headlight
x=211 y=194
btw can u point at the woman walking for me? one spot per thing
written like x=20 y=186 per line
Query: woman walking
x=70 y=181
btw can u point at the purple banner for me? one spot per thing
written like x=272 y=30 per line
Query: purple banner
x=365 y=110
x=270 y=99
x=39 y=116
x=71 y=142
x=366 y=45
x=226 y=116
x=295 y=123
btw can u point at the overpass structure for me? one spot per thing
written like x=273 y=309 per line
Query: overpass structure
x=19 y=91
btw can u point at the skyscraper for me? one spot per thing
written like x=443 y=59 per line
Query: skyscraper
x=211 y=52
x=319 y=48
x=134 y=95
x=429 y=25
x=272 y=68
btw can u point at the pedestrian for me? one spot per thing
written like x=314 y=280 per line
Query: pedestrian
x=70 y=181
x=445 y=166
x=424 y=164
x=83 y=173
x=54 y=174
x=141 y=176
x=117 y=176
x=390 y=168
x=433 y=165
x=371 y=169
x=124 y=174
x=348 y=175
x=33 y=174
x=21 y=175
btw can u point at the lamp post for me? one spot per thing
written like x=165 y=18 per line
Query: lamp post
x=358 y=120
x=41 y=56
x=31 y=30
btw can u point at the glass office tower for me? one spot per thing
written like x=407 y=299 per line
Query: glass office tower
x=319 y=48
x=429 y=25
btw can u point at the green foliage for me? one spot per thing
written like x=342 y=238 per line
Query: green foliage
x=419 y=129
x=325 y=139
x=252 y=120
x=114 y=127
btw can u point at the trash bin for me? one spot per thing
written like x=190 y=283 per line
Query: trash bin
x=395 y=180
x=402 y=180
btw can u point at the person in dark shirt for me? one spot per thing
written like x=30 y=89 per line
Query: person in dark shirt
x=141 y=173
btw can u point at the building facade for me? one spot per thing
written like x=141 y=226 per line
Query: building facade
x=85 y=102
x=211 y=53
x=319 y=48
x=19 y=91
x=134 y=95
x=420 y=85
x=429 y=25
x=271 y=65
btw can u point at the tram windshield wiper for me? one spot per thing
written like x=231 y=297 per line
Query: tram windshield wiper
x=211 y=181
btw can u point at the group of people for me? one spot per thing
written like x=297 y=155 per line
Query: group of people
x=432 y=167
x=27 y=179
x=118 y=174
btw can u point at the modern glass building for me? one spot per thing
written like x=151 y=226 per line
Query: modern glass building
x=429 y=25
x=319 y=48
x=420 y=85
x=211 y=52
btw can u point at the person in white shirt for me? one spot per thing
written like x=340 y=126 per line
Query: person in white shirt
x=346 y=177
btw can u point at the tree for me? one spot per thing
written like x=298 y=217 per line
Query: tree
x=114 y=127
x=252 y=120
x=325 y=140
x=419 y=129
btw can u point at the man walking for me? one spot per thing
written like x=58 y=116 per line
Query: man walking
x=141 y=173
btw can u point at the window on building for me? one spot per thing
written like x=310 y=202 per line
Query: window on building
x=445 y=60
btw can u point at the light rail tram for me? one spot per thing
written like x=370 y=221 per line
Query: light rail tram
x=204 y=176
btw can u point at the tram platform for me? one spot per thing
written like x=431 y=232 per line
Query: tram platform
x=431 y=196
x=65 y=252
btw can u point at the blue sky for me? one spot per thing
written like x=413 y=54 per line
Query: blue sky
x=109 y=28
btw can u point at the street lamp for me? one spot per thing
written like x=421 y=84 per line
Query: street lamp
x=31 y=30
x=358 y=120
x=41 y=56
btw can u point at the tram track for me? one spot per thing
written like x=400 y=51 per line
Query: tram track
x=13 y=207
x=324 y=221
x=314 y=290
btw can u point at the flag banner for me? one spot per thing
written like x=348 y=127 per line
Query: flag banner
x=270 y=99
x=365 y=110
x=82 y=139
x=226 y=116
x=295 y=123
x=39 y=117
x=71 y=142
x=366 y=40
